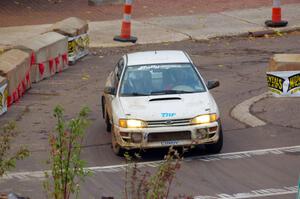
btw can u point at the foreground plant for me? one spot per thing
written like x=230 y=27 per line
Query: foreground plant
x=7 y=162
x=67 y=168
x=144 y=185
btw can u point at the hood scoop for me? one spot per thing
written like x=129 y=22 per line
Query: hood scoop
x=164 y=99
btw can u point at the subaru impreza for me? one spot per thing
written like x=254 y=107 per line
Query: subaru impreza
x=158 y=99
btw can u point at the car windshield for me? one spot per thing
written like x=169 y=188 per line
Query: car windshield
x=160 y=79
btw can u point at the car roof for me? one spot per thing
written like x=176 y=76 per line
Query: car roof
x=157 y=57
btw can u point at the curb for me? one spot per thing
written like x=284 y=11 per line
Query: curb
x=272 y=31
x=241 y=112
x=103 y=2
x=259 y=33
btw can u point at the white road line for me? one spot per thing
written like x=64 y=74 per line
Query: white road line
x=254 y=194
x=29 y=175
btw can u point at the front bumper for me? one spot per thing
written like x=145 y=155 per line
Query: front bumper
x=197 y=134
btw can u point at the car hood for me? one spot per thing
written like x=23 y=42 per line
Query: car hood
x=162 y=107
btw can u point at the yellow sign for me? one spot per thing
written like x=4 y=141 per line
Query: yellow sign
x=294 y=81
x=3 y=99
x=275 y=82
x=78 y=46
x=284 y=83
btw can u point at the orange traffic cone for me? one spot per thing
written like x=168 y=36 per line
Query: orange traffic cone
x=126 y=25
x=276 y=16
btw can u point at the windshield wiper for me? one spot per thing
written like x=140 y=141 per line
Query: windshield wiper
x=170 y=92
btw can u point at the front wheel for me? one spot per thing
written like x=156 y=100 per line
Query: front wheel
x=215 y=147
x=118 y=150
x=107 y=123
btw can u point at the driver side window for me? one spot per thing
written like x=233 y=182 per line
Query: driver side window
x=118 y=71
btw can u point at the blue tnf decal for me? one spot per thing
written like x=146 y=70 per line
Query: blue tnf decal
x=168 y=114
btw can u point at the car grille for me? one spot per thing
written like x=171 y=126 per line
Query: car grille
x=165 y=123
x=169 y=136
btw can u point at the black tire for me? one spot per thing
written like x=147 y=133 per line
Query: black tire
x=215 y=147
x=107 y=123
x=117 y=149
x=102 y=106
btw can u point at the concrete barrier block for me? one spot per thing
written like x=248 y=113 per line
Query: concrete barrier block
x=15 y=66
x=3 y=95
x=61 y=63
x=4 y=48
x=76 y=30
x=58 y=44
x=47 y=69
x=71 y=27
x=22 y=61
x=36 y=47
x=284 y=62
x=40 y=71
x=46 y=48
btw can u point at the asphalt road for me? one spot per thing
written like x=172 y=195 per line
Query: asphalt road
x=253 y=162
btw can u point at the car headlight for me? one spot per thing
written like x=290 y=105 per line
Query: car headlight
x=204 y=119
x=131 y=123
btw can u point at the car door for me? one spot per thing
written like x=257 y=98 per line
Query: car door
x=114 y=82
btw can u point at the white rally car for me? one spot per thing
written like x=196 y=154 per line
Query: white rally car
x=159 y=99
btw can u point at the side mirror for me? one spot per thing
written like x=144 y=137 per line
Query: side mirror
x=110 y=90
x=212 y=84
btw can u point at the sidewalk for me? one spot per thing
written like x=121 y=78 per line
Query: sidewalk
x=33 y=12
x=170 y=29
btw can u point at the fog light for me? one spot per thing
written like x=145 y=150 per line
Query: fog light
x=213 y=129
x=202 y=133
x=136 y=137
x=124 y=134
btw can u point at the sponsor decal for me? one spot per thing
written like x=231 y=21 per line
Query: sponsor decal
x=294 y=82
x=148 y=67
x=284 y=83
x=168 y=114
x=153 y=66
x=78 y=46
x=295 y=91
x=275 y=82
x=71 y=47
x=3 y=98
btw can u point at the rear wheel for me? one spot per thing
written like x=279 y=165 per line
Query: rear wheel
x=215 y=147
x=118 y=150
